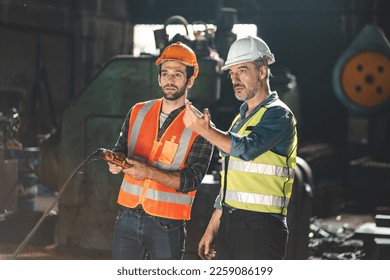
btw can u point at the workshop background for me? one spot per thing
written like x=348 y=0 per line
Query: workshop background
x=71 y=69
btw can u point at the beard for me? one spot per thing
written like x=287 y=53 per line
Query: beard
x=250 y=93
x=173 y=95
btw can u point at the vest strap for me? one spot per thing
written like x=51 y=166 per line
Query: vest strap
x=137 y=126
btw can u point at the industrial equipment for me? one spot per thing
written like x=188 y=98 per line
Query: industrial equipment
x=361 y=80
x=9 y=126
x=10 y=123
x=361 y=75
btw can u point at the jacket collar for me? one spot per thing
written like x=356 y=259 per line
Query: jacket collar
x=244 y=107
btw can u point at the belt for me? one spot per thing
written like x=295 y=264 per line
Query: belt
x=228 y=209
x=139 y=209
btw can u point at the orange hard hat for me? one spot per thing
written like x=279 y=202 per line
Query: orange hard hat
x=181 y=53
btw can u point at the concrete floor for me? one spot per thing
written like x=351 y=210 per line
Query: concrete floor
x=42 y=246
x=34 y=251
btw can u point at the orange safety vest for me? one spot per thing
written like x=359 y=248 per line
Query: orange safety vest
x=169 y=153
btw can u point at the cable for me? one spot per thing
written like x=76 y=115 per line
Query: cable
x=99 y=152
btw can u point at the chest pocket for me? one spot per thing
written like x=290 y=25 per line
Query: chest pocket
x=169 y=150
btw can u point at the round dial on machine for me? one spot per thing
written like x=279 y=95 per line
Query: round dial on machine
x=361 y=76
x=365 y=79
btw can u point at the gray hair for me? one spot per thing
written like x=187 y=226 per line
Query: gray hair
x=260 y=62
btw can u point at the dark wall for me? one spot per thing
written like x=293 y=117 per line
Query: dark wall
x=50 y=49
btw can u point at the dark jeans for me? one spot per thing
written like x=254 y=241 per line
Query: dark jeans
x=139 y=236
x=247 y=235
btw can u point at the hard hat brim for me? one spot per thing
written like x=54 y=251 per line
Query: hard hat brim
x=227 y=65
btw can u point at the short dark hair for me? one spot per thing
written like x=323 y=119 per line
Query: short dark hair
x=189 y=70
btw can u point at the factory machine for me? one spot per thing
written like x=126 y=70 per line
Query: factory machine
x=361 y=80
x=9 y=126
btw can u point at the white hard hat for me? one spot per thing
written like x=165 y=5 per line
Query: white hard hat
x=248 y=49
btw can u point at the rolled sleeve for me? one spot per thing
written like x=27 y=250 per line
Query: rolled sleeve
x=217 y=202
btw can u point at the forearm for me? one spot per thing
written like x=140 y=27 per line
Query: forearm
x=218 y=138
x=167 y=178
x=201 y=123
x=205 y=247
x=213 y=226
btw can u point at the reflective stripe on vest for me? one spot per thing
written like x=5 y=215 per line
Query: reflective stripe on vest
x=254 y=198
x=137 y=126
x=168 y=153
x=178 y=198
x=261 y=168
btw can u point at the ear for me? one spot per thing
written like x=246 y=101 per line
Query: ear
x=263 y=72
x=159 y=80
x=190 y=82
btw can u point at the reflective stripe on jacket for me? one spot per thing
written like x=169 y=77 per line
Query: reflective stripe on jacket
x=168 y=153
x=263 y=184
